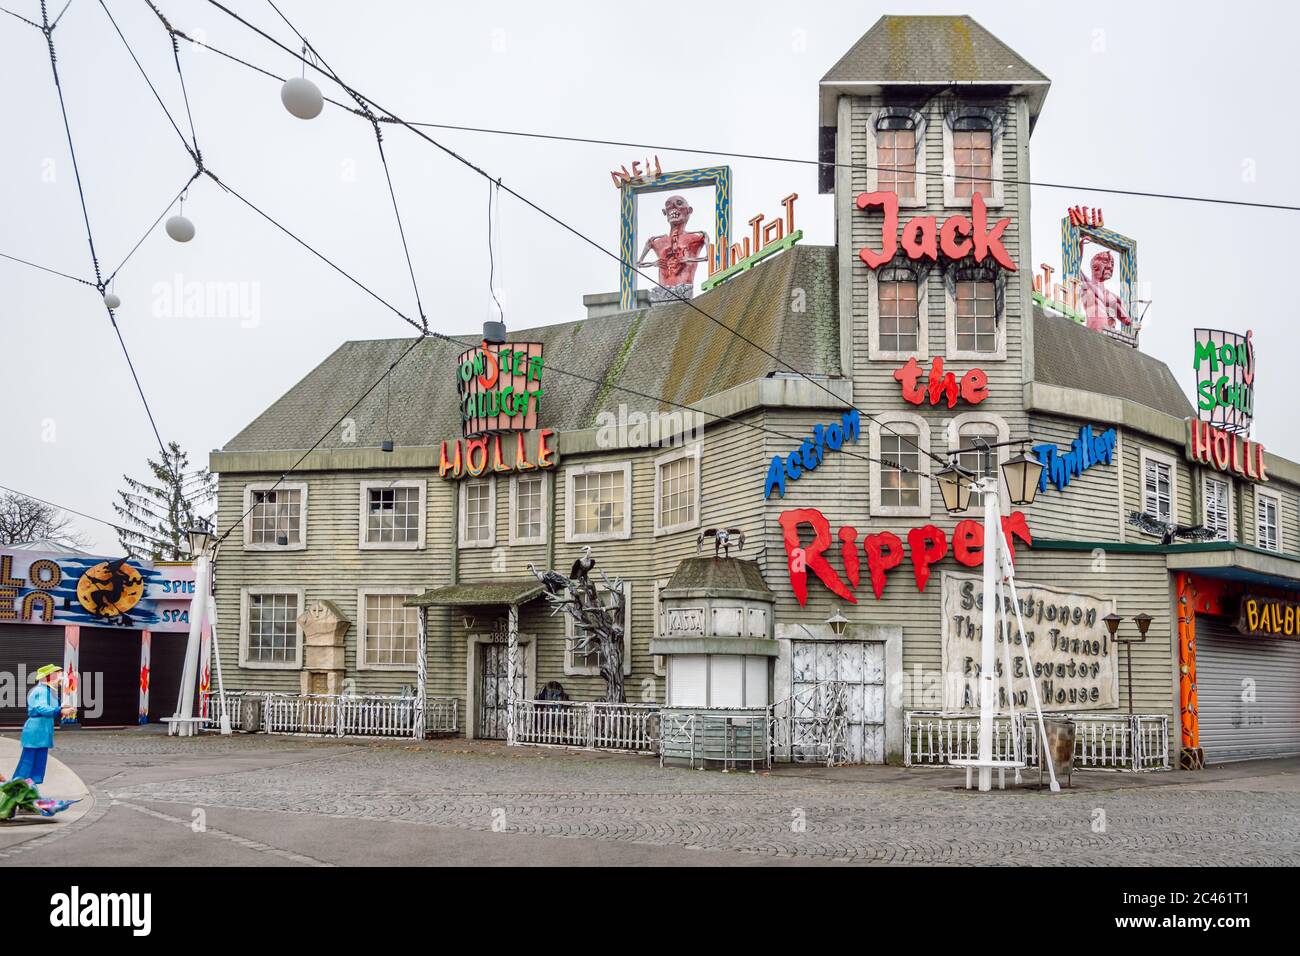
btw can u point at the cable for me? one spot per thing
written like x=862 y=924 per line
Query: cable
x=150 y=230
x=763 y=157
x=467 y=345
x=56 y=272
x=48 y=30
x=82 y=514
x=585 y=238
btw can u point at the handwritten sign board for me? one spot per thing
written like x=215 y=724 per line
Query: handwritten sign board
x=1074 y=657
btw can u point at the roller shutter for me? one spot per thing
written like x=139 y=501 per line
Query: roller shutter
x=110 y=657
x=1248 y=693
x=23 y=648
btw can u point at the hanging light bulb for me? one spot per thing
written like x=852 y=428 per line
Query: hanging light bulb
x=302 y=97
x=112 y=301
x=180 y=228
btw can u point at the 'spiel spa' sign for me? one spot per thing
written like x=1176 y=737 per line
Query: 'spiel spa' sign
x=1073 y=655
x=39 y=588
x=500 y=387
x=1268 y=617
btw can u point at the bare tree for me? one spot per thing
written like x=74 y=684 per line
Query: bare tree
x=597 y=617
x=157 y=511
x=25 y=519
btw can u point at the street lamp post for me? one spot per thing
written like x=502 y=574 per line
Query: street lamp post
x=1143 y=622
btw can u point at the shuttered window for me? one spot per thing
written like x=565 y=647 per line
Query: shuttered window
x=1267 y=534
x=1218 y=507
x=1157 y=491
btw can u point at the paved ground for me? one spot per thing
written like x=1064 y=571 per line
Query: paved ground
x=258 y=801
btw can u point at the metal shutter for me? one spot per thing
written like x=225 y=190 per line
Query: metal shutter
x=110 y=657
x=24 y=648
x=1248 y=693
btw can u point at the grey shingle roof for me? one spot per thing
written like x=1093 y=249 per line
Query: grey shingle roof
x=724 y=575
x=925 y=50
x=670 y=351
x=931 y=49
x=1072 y=356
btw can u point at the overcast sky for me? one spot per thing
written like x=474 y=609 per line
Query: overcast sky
x=1166 y=97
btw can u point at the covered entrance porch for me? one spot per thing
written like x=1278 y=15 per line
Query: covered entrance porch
x=500 y=662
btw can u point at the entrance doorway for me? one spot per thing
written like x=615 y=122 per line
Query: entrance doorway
x=860 y=666
x=492 y=687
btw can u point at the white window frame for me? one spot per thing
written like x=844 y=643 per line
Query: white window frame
x=462 y=525
x=360 y=629
x=245 y=606
x=918 y=200
x=998 y=197
x=1151 y=456
x=1262 y=495
x=364 y=514
x=574 y=670
x=660 y=661
x=252 y=486
x=1000 y=455
x=955 y=354
x=875 y=352
x=695 y=451
x=571 y=473
x=1206 y=478
x=923 y=440
x=513 y=535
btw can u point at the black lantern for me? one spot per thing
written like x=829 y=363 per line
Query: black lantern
x=955 y=486
x=1143 y=622
x=1112 y=622
x=199 y=537
x=1021 y=475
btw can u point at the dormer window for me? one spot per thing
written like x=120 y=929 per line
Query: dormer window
x=972 y=156
x=896 y=155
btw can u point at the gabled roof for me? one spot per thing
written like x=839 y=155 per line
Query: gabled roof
x=930 y=51
x=628 y=359
x=1073 y=356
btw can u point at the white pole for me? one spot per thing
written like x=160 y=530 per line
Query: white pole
x=421 y=671
x=198 y=611
x=512 y=649
x=988 y=634
x=1029 y=661
x=216 y=652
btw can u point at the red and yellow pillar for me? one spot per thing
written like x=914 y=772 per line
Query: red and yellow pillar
x=1190 y=755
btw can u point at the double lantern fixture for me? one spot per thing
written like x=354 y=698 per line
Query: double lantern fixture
x=1021 y=474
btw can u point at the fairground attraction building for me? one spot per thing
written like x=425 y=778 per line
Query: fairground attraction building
x=804 y=399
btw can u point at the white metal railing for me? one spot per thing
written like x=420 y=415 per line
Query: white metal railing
x=363 y=715
x=593 y=725
x=738 y=738
x=1101 y=741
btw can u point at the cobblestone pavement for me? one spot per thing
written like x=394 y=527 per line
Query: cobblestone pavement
x=1235 y=816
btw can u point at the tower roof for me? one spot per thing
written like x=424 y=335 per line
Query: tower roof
x=930 y=51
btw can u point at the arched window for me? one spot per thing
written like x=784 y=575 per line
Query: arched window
x=975 y=453
x=972 y=156
x=896 y=136
x=899 y=296
x=975 y=312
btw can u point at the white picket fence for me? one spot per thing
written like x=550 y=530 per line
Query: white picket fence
x=363 y=715
x=1101 y=741
x=591 y=725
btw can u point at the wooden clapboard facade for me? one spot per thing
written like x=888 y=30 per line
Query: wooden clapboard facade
x=814 y=309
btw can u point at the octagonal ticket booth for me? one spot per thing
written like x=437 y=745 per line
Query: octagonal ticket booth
x=716 y=637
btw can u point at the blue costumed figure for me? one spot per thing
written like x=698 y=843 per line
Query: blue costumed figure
x=38 y=732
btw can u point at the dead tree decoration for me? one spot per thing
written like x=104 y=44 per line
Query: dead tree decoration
x=597 y=616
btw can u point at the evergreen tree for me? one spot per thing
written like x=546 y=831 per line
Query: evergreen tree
x=157 y=511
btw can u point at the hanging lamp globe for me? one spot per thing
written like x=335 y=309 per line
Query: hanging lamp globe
x=180 y=228
x=302 y=97
x=112 y=301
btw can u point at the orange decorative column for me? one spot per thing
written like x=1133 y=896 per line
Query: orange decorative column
x=1190 y=756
